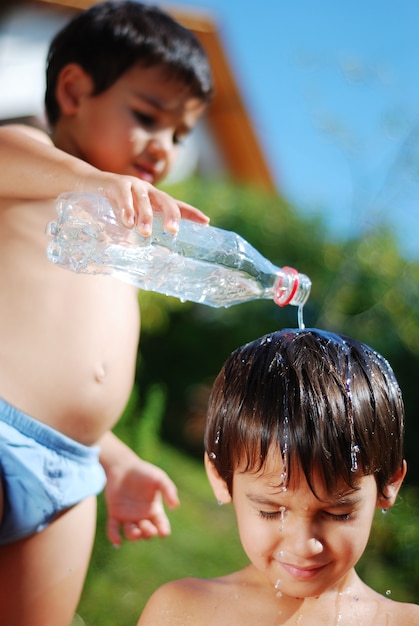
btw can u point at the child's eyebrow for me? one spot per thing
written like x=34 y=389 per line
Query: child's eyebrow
x=157 y=103
x=340 y=502
x=261 y=500
x=151 y=100
x=350 y=498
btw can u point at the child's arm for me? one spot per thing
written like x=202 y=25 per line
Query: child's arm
x=134 y=493
x=34 y=169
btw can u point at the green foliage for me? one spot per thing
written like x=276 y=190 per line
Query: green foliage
x=362 y=287
x=391 y=561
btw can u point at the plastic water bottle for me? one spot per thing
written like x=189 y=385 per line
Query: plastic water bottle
x=200 y=263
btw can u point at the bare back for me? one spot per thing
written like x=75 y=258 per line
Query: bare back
x=68 y=342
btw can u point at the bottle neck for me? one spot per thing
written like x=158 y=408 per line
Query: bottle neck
x=291 y=287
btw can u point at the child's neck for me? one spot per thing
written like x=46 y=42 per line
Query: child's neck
x=348 y=603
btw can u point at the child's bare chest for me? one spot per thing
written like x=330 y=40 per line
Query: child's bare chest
x=249 y=607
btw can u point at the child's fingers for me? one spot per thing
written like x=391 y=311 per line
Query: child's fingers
x=190 y=212
x=169 y=208
x=144 y=529
x=160 y=524
x=135 y=202
x=112 y=530
x=168 y=491
x=143 y=209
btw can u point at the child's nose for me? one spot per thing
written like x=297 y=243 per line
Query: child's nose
x=309 y=547
x=302 y=539
x=160 y=145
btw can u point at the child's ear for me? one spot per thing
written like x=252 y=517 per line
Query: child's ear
x=218 y=485
x=392 y=488
x=73 y=83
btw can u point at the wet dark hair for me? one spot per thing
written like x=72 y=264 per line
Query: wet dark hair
x=328 y=403
x=111 y=37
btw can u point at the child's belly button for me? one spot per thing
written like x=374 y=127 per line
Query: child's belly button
x=100 y=374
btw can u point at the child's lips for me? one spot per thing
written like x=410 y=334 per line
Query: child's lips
x=303 y=573
x=148 y=174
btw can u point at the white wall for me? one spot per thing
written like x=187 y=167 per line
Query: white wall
x=25 y=34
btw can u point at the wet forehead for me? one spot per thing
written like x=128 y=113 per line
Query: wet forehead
x=270 y=480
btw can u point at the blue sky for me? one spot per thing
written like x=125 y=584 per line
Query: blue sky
x=332 y=88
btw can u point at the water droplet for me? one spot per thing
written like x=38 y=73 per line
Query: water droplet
x=300 y=318
x=277 y=586
x=284 y=451
x=212 y=455
x=388 y=592
x=282 y=510
x=354 y=457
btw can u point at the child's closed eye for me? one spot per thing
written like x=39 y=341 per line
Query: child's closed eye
x=144 y=119
x=271 y=514
x=343 y=517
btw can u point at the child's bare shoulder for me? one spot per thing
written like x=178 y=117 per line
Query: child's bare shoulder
x=187 y=599
x=395 y=613
x=403 y=613
x=29 y=131
x=192 y=590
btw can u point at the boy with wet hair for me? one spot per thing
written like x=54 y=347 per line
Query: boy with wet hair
x=304 y=436
x=125 y=85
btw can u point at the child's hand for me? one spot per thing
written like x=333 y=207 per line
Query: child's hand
x=134 y=201
x=134 y=493
x=48 y=172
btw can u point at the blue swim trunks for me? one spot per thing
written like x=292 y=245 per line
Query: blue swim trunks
x=43 y=472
